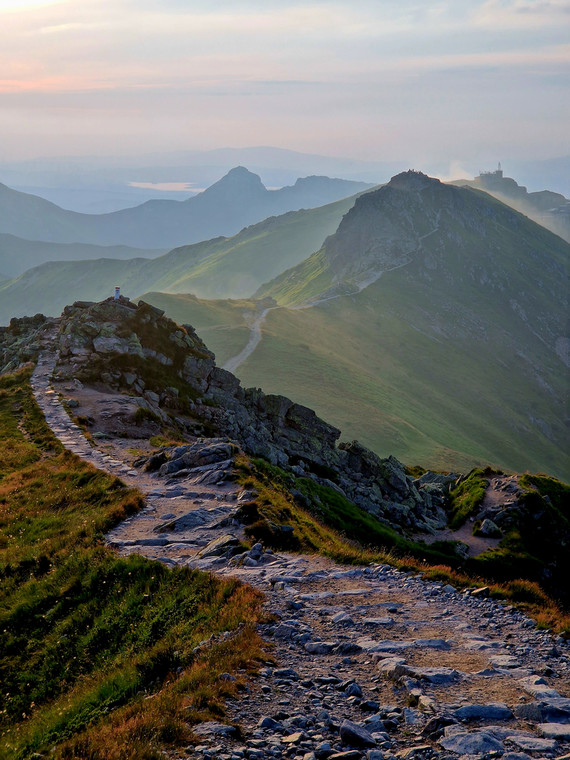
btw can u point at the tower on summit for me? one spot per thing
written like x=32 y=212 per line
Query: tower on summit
x=490 y=177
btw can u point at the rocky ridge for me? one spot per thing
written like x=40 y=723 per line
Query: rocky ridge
x=170 y=374
x=367 y=662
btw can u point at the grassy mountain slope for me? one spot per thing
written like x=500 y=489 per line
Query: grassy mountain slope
x=237 y=200
x=397 y=388
x=454 y=356
x=390 y=376
x=17 y=255
x=219 y=268
x=258 y=253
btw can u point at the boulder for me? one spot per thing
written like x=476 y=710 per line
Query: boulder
x=224 y=545
x=491 y=711
x=476 y=743
x=355 y=736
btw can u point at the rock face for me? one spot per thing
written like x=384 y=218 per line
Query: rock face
x=19 y=342
x=140 y=351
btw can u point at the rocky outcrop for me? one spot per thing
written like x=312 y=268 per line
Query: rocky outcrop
x=20 y=342
x=145 y=354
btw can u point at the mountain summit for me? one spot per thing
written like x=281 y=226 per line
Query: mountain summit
x=237 y=181
x=416 y=219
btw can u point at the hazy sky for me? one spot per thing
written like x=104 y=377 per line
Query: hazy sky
x=370 y=79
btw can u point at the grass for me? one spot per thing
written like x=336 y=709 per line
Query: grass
x=324 y=522
x=97 y=652
x=467 y=497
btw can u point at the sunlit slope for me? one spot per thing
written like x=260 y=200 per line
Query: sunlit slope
x=454 y=355
x=219 y=268
x=17 y=255
x=221 y=324
x=414 y=218
x=237 y=266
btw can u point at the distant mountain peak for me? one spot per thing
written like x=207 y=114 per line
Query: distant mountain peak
x=240 y=177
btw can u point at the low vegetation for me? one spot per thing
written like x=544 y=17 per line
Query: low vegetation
x=298 y=514
x=536 y=540
x=467 y=497
x=324 y=521
x=98 y=653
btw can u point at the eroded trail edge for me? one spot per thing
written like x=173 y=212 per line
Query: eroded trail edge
x=370 y=662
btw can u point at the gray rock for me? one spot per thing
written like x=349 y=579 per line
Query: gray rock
x=383 y=646
x=342 y=618
x=216 y=729
x=533 y=743
x=284 y=631
x=538 y=687
x=355 y=736
x=489 y=529
x=286 y=673
x=219 y=546
x=555 y=731
x=320 y=647
x=491 y=711
x=437 y=676
x=476 y=743
x=379 y=621
x=432 y=644
x=294 y=738
x=353 y=690
x=504 y=661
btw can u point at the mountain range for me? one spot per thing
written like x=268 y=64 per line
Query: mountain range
x=219 y=268
x=436 y=329
x=237 y=200
x=430 y=321
x=102 y=184
x=18 y=255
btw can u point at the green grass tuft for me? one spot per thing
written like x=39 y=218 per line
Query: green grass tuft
x=467 y=497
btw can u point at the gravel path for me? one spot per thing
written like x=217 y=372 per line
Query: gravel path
x=369 y=662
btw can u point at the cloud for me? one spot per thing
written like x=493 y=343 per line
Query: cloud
x=324 y=71
x=508 y=14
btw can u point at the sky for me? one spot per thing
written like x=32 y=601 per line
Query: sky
x=368 y=79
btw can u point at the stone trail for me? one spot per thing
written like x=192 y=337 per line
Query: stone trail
x=369 y=662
